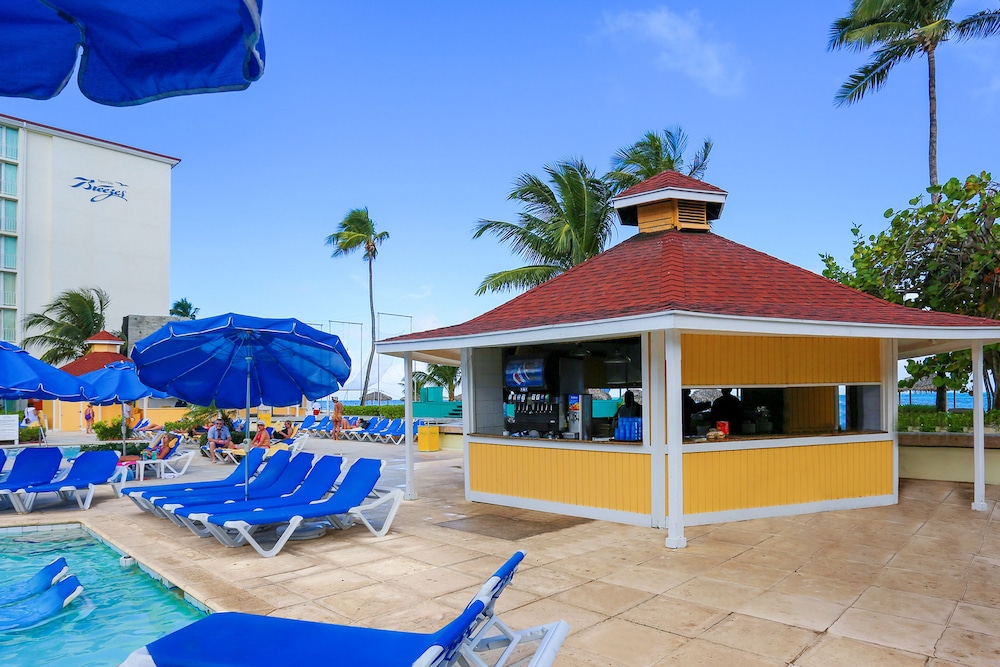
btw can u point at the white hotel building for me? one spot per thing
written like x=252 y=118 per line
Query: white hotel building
x=79 y=212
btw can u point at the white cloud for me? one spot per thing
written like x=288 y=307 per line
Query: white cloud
x=682 y=44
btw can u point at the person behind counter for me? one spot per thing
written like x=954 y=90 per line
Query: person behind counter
x=629 y=408
x=692 y=406
x=728 y=408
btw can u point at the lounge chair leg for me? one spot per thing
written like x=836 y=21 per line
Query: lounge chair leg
x=394 y=496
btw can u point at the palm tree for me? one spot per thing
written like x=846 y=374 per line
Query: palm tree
x=357 y=230
x=656 y=153
x=184 y=308
x=561 y=226
x=67 y=323
x=438 y=375
x=900 y=30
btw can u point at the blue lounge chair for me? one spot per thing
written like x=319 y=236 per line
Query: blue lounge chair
x=317 y=427
x=89 y=470
x=140 y=494
x=43 y=606
x=3 y=461
x=265 y=485
x=41 y=581
x=355 y=496
x=36 y=465
x=375 y=424
x=319 y=482
x=389 y=427
x=307 y=423
x=219 y=640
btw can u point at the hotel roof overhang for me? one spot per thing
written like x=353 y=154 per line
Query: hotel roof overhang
x=913 y=341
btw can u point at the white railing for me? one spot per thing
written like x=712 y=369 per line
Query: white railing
x=9 y=298
x=8 y=188
x=9 y=335
x=9 y=151
x=8 y=224
x=8 y=261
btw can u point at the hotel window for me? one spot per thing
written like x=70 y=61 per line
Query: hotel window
x=8 y=255
x=8 y=215
x=8 y=143
x=8 y=179
x=10 y=290
x=8 y=322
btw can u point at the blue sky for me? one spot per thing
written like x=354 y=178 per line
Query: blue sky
x=426 y=113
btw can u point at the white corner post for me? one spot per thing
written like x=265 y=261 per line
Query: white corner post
x=654 y=413
x=675 y=443
x=978 y=437
x=410 y=493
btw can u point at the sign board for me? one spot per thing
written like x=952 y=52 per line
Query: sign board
x=9 y=428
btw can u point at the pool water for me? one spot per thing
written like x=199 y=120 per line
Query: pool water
x=120 y=609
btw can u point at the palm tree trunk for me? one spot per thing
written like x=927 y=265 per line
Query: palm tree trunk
x=371 y=352
x=932 y=106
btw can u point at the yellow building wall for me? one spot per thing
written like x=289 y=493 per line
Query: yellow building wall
x=608 y=480
x=738 y=361
x=743 y=479
x=811 y=410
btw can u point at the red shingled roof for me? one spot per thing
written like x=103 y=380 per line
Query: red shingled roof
x=669 y=179
x=92 y=362
x=691 y=272
x=104 y=337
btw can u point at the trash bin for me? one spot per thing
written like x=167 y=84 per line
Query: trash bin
x=428 y=438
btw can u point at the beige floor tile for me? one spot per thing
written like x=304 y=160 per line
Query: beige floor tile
x=701 y=653
x=371 y=601
x=756 y=635
x=841 y=570
x=603 y=597
x=626 y=643
x=983 y=593
x=311 y=611
x=946 y=530
x=682 y=561
x=545 y=581
x=907 y=605
x=754 y=576
x=773 y=559
x=821 y=588
x=935 y=546
x=734 y=535
x=833 y=651
x=649 y=579
x=969 y=648
x=925 y=583
x=793 y=610
x=905 y=634
x=673 y=615
x=714 y=593
x=977 y=618
x=548 y=610
x=321 y=584
x=278 y=596
x=860 y=553
x=438 y=581
x=444 y=554
x=574 y=656
x=390 y=568
x=795 y=545
x=954 y=566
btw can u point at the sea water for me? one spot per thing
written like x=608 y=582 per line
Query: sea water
x=120 y=609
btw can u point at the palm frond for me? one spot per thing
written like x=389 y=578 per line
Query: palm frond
x=525 y=277
x=976 y=26
x=873 y=75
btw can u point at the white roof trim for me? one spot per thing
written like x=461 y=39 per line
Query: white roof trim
x=919 y=340
x=669 y=193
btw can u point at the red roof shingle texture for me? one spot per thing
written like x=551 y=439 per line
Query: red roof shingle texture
x=105 y=336
x=691 y=272
x=669 y=179
x=92 y=362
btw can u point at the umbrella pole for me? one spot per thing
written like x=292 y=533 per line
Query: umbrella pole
x=124 y=427
x=246 y=436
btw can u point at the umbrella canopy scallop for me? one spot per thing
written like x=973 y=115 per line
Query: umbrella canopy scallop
x=236 y=361
x=24 y=376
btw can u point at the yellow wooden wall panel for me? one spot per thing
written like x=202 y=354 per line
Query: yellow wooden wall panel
x=607 y=480
x=744 y=479
x=736 y=361
x=811 y=410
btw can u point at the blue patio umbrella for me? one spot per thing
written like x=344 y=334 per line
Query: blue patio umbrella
x=235 y=361
x=24 y=376
x=133 y=51
x=118 y=383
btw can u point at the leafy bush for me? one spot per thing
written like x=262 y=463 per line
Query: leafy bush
x=959 y=421
x=111 y=430
x=992 y=418
x=131 y=448
x=906 y=420
x=29 y=434
x=389 y=411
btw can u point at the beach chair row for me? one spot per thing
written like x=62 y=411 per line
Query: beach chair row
x=477 y=636
x=36 y=471
x=285 y=494
x=381 y=429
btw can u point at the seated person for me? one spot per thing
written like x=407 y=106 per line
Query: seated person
x=160 y=447
x=30 y=417
x=262 y=438
x=219 y=436
x=628 y=408
x=149 y=427
x=728 y=408
x=285 y=432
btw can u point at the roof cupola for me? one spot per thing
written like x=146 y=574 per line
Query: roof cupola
x=670 y=200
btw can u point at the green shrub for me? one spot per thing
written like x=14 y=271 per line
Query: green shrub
x=992 y=418
x=906 y=420
x=389 y=411
x=29 y=434
x=931 y=421
x=111 y=430
x=957 y=422
x=131 y=448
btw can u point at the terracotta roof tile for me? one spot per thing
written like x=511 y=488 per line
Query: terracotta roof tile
x=669 y=179
x=104 y=337
x=692 y=272
x=92 y=362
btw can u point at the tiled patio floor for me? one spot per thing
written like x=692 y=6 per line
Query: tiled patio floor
x=913 y=584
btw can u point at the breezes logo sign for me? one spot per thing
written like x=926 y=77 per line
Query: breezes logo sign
x=102 y=189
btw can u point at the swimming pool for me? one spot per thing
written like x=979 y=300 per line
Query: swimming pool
x=120 y=609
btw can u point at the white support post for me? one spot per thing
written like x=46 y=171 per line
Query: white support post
x=654 y=413
x=978 y=437
x=411 y=489
x=890 y=404
x=469 y=419
x=675 y=443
